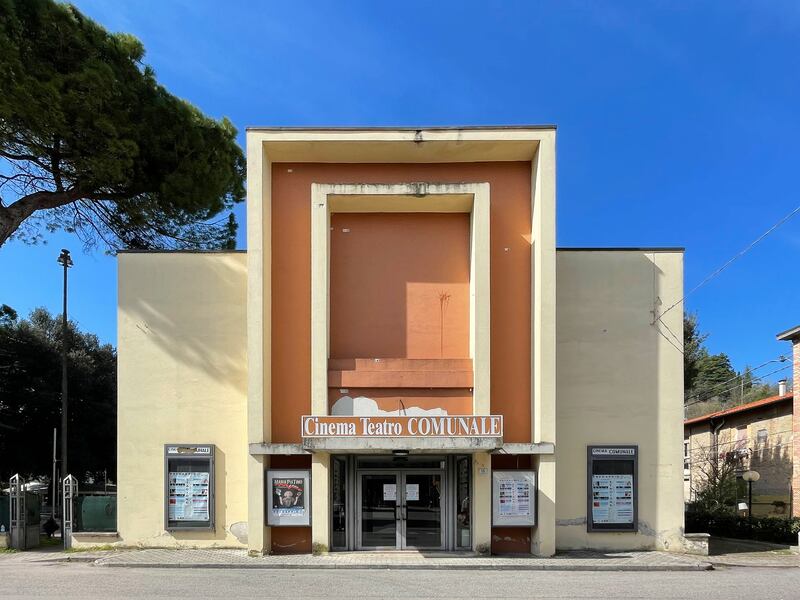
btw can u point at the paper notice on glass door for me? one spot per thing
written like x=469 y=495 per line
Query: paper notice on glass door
x=412 y=491
x=389 y=491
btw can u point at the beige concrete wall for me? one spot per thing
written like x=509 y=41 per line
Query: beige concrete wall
x=182 y=379
x=620 y=381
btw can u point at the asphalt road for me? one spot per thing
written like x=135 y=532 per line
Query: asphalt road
x=64 y=581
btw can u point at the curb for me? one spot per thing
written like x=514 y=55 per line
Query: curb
x=401 y=567
x=753 y=566
x=66 y=559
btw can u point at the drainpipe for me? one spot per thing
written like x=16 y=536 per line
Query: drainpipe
x=715 y=433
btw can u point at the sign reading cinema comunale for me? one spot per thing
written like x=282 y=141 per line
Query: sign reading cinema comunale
x=420 y=426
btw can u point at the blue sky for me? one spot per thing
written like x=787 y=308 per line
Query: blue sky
x=678 y=122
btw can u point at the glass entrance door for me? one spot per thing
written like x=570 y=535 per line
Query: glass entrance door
x=400 y=510
x=422 y=511
x=379 y=511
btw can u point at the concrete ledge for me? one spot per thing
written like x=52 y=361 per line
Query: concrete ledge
x=696 y=543
x=514 y=448
x=83 y=540
x=106 y=535
x=418 y=445
x=273 y=449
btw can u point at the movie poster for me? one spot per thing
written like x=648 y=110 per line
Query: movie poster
x=288 y=496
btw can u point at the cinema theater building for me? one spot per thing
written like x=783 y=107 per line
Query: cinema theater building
x=402 y=359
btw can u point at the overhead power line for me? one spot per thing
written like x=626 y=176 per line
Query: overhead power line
x=781 y=358
x=732 y=260
x=735 y=387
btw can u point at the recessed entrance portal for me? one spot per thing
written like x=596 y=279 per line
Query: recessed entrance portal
x=401 y=510
x=383 y=502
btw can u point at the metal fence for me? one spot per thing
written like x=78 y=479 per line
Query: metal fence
x=4 y=508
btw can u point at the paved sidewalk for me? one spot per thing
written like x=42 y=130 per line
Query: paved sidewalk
x=756 y=559
x=731 y=552
x=573 y=561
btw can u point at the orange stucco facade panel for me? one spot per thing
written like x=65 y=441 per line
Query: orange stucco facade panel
x=399 y=285
x=455 y=401
x=510 y=282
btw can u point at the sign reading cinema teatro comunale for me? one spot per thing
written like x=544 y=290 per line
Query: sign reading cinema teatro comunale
x=420 y=426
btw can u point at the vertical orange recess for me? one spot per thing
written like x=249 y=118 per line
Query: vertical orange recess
x=511 y=540
x=510 y=280
x=290 y=540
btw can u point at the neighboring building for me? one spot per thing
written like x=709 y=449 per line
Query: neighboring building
x=401 y=359
x=793 y=335
x=757 y=436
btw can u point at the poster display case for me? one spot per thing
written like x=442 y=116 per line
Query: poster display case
x=612 y=488
x=188 y=486
x=288 y=501
x=513 y=498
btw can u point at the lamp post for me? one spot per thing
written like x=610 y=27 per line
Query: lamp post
x=65 y=261
x=750 y=476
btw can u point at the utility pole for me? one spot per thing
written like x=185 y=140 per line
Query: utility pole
x=54 y=497
x=65 y=261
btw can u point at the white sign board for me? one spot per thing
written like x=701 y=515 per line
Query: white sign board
x=513 y=498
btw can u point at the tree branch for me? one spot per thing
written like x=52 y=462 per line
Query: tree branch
x=12 y=216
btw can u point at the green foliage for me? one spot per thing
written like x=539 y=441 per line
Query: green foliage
x=765 y=529
x=693 y=350
x=7 y=314
x=91 y=143
x=715 y=376
x=30 y=398
x=710 y=381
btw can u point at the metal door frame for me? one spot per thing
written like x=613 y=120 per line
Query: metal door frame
x=69 y=495
x=401 y=521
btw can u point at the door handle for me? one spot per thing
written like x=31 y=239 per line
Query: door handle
x=398 y=513
x=405 y=512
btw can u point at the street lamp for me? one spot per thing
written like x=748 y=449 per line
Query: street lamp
x=65 y=261
x=750 y=476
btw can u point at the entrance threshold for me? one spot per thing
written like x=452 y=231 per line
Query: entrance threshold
x=404 y=554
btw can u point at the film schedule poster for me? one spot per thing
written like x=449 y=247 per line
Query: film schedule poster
x=288 y=496
x=515 y=498
x=612 y=499
x=188 y=496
